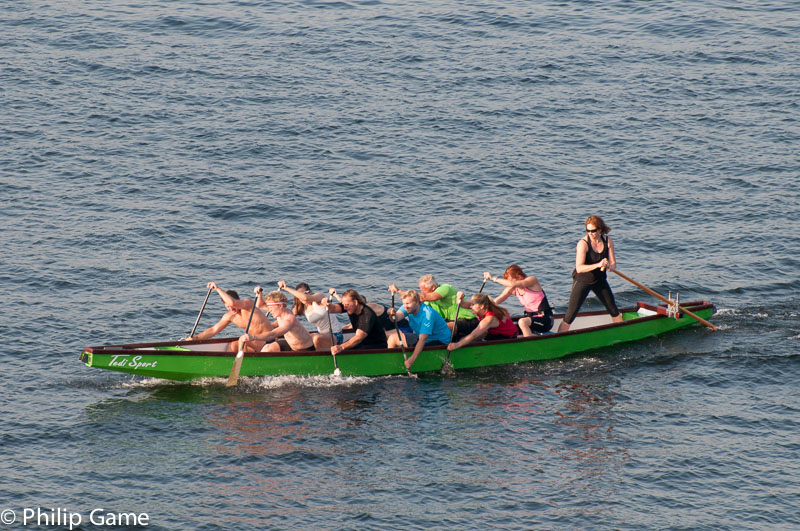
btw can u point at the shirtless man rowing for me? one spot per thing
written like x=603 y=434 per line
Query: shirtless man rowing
x=295 y=335
x=238 y=313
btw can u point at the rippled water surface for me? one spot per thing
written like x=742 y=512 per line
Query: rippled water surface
x=148 y=148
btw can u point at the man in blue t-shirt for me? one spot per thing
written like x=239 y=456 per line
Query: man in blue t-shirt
x=429 y=327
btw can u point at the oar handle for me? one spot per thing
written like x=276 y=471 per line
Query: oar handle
x=662 y=298
x=330 y=325
x=482 y=285
x=252 y=311
x=453 y=334
x=455 y=323
x=330 y=329
x=233 y=377
x=250 y=319
x=197 y=321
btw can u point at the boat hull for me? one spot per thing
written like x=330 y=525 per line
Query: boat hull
x=208 y=359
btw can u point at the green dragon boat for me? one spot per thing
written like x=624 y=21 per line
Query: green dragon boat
x=190 y=360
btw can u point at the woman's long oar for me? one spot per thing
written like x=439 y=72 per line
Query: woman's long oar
x=336 y=371
x=402 y=346
x=233 y=378
x=656 y=295
x=194 y=328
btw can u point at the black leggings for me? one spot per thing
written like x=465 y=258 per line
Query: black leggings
x=540 y=323
x=580 y=290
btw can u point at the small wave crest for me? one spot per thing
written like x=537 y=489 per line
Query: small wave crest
x=275 y=382
x=747 y=313
x=252 y=384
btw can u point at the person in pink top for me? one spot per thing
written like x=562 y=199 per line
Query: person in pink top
x=538 y=313
x=494 y=321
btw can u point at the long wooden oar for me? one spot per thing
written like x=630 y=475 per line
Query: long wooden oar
x=656 y=295
x=402 y=346
x=336 y=371
x=194 y=328
x=233 y=378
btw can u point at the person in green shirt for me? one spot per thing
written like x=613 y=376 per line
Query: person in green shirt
x=442 y=298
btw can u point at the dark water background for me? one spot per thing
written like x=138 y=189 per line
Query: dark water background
x=146 y=148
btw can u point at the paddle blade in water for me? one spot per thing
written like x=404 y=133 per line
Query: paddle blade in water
x=233 y=379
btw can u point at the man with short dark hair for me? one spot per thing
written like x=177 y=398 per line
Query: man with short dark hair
x=368 y=330
x=238 y=313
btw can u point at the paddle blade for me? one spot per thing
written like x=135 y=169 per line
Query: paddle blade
x=447 y=367
x=337 y=373
x=233 y=378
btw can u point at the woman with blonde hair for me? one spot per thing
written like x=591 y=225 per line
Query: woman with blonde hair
x=538 y=313
x=593 y=255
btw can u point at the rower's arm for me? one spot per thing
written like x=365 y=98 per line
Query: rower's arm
x=394 y=289
x=527 y=282
x=483 y=327
x=417 y=349
x=356 y=340
x=466 y=304
x=216 y=329
x=503 y=296
x=432 y=296
x=260 y=302
x=612 y=260
x=305 y=298
x=274 y=333
x=226 y=299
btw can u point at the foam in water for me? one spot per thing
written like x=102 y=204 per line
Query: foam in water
x=253 y=383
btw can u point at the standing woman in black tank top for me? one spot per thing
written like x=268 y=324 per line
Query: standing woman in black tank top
x=593 y=255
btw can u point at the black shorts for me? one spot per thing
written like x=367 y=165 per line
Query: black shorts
x=465 y=326
x=362 y=346
x=286 y=348
x=540 y=323
x=412 y=338
x=388 y=324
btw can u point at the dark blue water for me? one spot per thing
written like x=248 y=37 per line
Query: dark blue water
x=147 y=148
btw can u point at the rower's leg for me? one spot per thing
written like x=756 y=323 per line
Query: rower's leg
x=322 y=341
x=393 y=341
x=525 y=326
x=271 y=347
